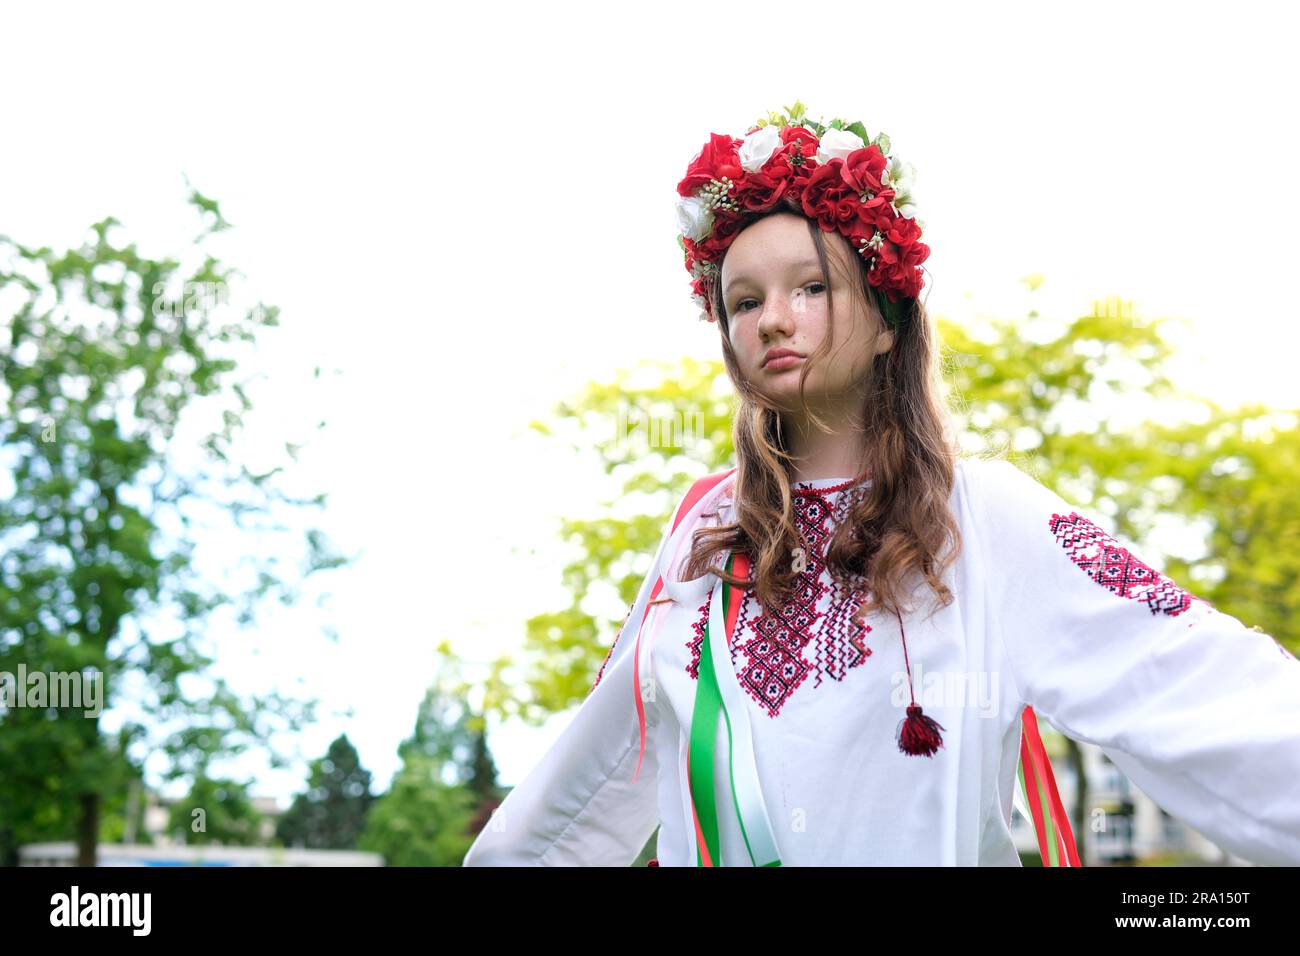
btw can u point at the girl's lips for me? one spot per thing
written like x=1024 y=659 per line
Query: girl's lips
x=785 y=361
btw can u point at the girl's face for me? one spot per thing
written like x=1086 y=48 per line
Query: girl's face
x=777 y=304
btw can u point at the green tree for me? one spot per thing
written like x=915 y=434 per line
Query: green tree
x=331 y=813
x=446 y=786
x=216 y=812
x=112 y=367
x=422 y=820
x=448 y=732
x=1232 y=472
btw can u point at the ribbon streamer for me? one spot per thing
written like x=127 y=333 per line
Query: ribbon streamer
x=719 y=692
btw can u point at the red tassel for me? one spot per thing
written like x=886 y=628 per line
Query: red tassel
x=918 y=735
x=653 y=862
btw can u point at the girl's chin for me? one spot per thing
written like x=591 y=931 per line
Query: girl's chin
x=782 y=392
x=785 y=395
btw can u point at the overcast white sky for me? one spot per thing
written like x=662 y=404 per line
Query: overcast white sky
x=468 y=210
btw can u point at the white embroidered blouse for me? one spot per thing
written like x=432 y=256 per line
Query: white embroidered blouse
x=1199 y=711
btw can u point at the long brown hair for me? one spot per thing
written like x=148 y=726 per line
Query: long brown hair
x=896 y=527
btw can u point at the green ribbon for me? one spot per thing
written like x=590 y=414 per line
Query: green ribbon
x=704 y=737
x=709 y=704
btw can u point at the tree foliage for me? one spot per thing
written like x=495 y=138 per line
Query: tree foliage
x=124 y=392
x=446 y=785
x=216 y=812
x=331 y=813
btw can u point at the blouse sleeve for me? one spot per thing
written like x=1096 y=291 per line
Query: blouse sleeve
x=1199 y=711
x=579 y=805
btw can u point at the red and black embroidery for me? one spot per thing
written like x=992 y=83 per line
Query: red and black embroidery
x=782 y=648
x=610 y=653
x=840 y=643
x=697 y=640
x=1117 y=569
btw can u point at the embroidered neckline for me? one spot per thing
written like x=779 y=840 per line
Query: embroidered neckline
x=821 y=486
x=813 y=635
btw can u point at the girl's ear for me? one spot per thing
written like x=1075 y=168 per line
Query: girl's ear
x=886 y=341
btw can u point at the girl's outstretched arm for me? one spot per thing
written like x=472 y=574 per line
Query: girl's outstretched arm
x=1198 y=710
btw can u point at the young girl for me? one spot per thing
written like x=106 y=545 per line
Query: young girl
x=837 y=654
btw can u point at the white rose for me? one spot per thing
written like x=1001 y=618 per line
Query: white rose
x=694 y=218
x=901 y=174
x=758 y=147
x=837 y=144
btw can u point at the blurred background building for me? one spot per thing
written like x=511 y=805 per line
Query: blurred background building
x=1125 y=827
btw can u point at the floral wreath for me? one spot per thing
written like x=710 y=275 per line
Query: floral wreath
x=845 y=180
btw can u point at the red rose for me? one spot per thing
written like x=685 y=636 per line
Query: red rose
x=888 y=255
x=799 y=178
x=877 y=212
x=764 y=188
x=692 y=253
x=888 y=279
x=725 y=227
x=857 y=231
x=716 y=160
x=846 y=212
x=863 y=169
x=904 y=231
x=824 y=196
x=805 y=140
x=896 y=269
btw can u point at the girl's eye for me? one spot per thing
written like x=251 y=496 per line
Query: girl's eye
x=814 y=288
